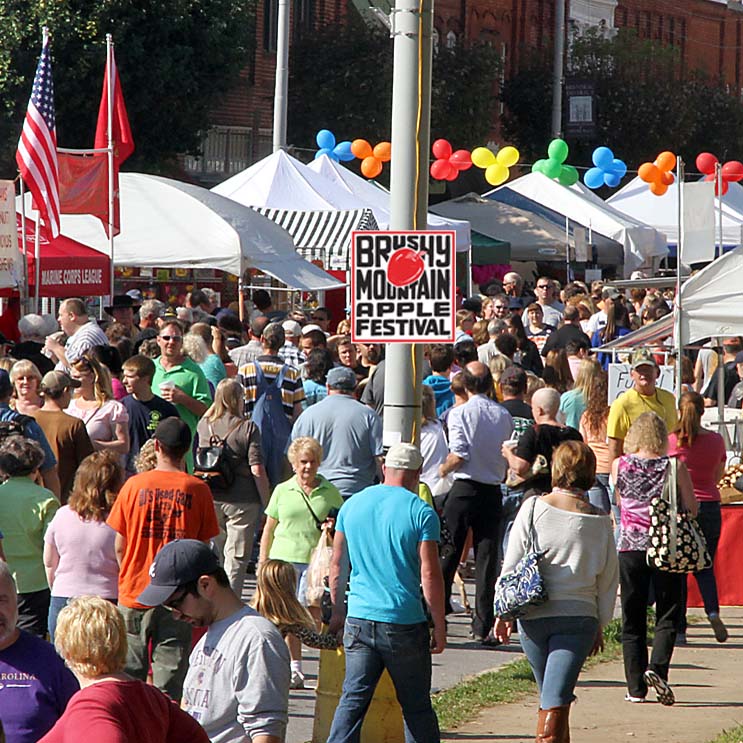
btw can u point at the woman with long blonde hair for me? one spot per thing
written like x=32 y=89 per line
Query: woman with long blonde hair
x=238 y=504
x=573 y=402
x=105 y=418
x=276 y=599
x=556 y=372
x=79 y=554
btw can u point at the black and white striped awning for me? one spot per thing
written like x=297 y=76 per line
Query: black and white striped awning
x=325 y=234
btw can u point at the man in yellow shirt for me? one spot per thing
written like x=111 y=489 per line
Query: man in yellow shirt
x=643 y=397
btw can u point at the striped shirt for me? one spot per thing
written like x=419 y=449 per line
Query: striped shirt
x=292 y=391
x=84 y=338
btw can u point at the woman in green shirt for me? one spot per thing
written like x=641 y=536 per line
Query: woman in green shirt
x=297 y=510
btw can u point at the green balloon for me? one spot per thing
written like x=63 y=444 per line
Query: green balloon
x=552 y=168
x=568 y=175
x=538 y=166
x=558 y=150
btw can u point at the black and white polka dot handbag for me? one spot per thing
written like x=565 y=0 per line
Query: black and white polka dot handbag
x=676 y=543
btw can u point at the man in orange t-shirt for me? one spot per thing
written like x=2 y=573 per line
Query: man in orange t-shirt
x=152 y=509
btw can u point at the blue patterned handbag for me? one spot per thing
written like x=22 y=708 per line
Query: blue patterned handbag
x=520 y=590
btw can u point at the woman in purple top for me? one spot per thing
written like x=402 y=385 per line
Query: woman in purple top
x=638 y=478
x=79 y=555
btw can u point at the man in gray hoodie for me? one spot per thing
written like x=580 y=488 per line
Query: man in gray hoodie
x=237 y=685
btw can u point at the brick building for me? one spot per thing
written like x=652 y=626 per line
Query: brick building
x=708 y=33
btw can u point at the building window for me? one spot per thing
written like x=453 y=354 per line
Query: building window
x=224 y=152
x=451 y=40
x=303 y=18
x=270 y=24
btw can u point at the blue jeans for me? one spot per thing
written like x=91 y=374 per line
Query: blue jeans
x=556 y=648
x=599 y=495
x=511 y=503
x=404 y=650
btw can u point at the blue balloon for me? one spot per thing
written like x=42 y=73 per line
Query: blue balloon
x=603 y=158
x=343 y=152
x=325 y=139
x=325 y=151
x=612 y=179
x=619 y=168
x=594 y=178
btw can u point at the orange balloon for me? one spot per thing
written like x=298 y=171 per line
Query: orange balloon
x=383 y=152
x=649 y=172
x=361 y=148
x=667 y=178
x=658 y=188
x=371 y=167
x=666 y=160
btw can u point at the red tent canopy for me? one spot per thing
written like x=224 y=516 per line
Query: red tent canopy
x=68 y=268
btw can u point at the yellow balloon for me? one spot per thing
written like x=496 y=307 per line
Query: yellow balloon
x=496 y=174
x=508 y=156
x=482 y=157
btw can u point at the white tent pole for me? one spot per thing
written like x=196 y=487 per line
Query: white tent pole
x=25 y=293
x=677 y=311
x=718 y=183
x=110 y=147
x=37 y=267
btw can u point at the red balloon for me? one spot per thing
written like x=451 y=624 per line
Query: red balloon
x=706 y=162
x=439 y=170
x=712 y=179
x=461 y=159
x=453 y=173
x=441 y=149
x=732 y=171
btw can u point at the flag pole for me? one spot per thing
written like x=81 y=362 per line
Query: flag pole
x=677 y=309
x=25 y=292
x=110 y=147
x=37 y=266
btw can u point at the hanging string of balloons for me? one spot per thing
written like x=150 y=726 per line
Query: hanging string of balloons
x=731 y=171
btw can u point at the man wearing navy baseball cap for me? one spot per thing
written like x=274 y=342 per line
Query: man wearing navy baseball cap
x=237 y=685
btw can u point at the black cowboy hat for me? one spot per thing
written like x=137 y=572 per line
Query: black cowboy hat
x=120 y=302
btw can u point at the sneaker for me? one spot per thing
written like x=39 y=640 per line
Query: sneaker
x=635 y=700
x=681 y=639
x=662 y=689
x=297 y=680
x=721 y=633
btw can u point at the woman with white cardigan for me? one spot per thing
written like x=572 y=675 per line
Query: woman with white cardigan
x=580 y=573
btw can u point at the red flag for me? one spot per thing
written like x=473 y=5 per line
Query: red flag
x=123 y=141
x=37 y=147
x=83 y=185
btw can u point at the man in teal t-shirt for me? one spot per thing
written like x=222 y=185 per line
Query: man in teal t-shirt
x=390 y=536
x=179 y=380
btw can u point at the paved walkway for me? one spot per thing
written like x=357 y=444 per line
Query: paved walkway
x=707 y=679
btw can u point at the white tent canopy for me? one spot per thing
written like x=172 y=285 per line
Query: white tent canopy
x=636 y=201
x=641 y=242
x=368 y=194
x=168 y=223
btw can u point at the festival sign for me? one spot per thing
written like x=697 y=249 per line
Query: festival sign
x=620 y=380
x=10 y=256
x=403 y=287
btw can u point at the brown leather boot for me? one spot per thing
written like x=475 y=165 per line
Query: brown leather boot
x=553 y=725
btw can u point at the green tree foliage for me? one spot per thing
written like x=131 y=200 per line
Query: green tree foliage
x=341 y=79
x=175 y=59
x=644 y=104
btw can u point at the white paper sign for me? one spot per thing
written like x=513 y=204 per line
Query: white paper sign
x=10 y=256
x=403 y=287
x=620 y=380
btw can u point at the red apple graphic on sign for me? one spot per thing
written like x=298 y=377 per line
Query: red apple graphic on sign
x=404 y=267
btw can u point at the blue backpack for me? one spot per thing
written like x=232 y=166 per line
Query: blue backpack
x=270 y=418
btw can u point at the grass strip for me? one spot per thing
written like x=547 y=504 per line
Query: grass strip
x=509 y=683
x=734 y=735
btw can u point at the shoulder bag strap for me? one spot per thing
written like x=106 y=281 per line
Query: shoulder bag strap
x=318 y=523
x=673 y=495
x=532 y=544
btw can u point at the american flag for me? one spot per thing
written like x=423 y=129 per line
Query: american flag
x=37 y=147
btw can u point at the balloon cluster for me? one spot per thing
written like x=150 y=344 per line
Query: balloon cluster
x=448 y=163
x=496 y=166
x=372 y=158
x=659 y=174
x=327 y=146
x=607 y=170
x=554 y=166
x=730 y=171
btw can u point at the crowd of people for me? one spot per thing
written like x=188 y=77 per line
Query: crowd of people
x=151 y=461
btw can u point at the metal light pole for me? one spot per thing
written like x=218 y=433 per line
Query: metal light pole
x=412 y=30
x=558 y=68
x=282 y=77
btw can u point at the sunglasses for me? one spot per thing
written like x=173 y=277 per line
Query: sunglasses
x=176 y=603
x=543 y=286
x=172 y=337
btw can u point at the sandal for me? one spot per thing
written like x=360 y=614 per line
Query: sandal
x=662 y=689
